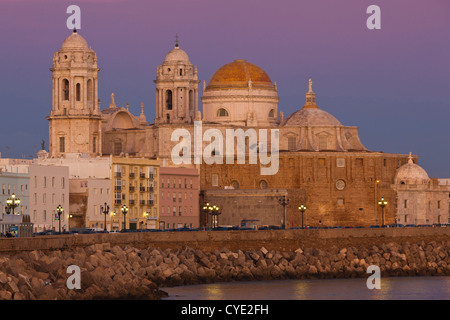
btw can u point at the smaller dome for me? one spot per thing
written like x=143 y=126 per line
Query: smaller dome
x=310 y=117
x=177 y=54
x=75 y=41
x=411 y=173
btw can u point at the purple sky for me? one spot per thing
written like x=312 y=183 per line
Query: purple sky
x=393 y=83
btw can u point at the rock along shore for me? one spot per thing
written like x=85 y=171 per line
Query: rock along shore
x=116 y=272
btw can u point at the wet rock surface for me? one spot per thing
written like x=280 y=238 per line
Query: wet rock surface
x=124 y=272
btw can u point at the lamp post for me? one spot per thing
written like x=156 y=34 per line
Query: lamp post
x=377 y=182
x=146 y=219
x=124 y=211
x=302 y=209
x=105 y=211
x=206 y=210
x=59 y=211
x=284 y=201
x=12 y=203
x=215 y=212
x=382 y=203
x=113 y=214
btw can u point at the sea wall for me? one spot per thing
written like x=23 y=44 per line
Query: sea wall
x=126 y=272
x=234 y=240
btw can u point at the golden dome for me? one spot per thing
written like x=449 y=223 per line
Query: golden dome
x=238 y=74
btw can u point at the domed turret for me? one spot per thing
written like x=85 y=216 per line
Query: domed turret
x=177 y=55
x=411 y=173
x=176 y=89
x=75 y=41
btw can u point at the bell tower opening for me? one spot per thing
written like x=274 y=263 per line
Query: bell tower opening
x=169 y=99
x=78 y=92
x=65 y=86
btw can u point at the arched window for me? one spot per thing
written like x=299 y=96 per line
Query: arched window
x=235 y=184
x=65 y=87
x=263 y=184
x=272 y=113
x=90 y=91
x=78 y=88
x=222 y=112
x=169 y=99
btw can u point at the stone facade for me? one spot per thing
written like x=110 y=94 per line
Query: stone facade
x=338 y=189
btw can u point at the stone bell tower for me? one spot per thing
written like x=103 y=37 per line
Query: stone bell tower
x=75 y=118
x=176 y=89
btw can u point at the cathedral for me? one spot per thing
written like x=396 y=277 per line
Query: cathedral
x=322 y=163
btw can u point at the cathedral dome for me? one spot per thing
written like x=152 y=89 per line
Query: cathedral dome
x=311 y=117
x=238 y=74
x=176 y=54
x=411 y=173
x=75 y=41
x=310 y=114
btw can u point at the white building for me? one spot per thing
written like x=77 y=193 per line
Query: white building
x=40 y=188
x=89 y=186
x=420 y=200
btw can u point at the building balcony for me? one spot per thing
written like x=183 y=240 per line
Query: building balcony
x=150 y=189
x=132 y=189
x=117 y=201
x=150 y=176
x=118 y=188
x=132 y=202
x=150 y=202
x=142 y=189
x=117 y=174
x=142 y=202
x=142 y=175
x=131 y=175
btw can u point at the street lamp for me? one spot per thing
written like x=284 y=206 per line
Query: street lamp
x=59 y=211
x=284 y=201
x=215 y=212
x=382 y=203
x=302 y=209
x=113 y=214
x=105 y=211
x=146 y=214
x=205 y=210
x=124 y=211
x=12 y=203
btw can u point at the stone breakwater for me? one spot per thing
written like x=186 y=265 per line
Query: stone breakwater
x=124 y=272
